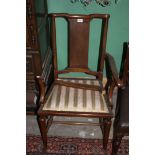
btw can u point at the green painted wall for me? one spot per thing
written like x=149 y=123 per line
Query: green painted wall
x=117 y=34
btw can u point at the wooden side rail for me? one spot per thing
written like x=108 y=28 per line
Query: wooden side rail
x=84 y=70
x=78 y=85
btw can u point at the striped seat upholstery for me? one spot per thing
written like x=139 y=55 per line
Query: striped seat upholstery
x=64 y=98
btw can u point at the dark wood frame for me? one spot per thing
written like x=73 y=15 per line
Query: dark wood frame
x=122 y=130
x=113 y=80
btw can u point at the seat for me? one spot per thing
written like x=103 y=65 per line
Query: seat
x=78 y=96
x=121 y=123
x=69 y=99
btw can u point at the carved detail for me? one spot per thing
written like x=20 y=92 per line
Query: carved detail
x=32 y=35
x=29 y=64
x=30 y=23
x=30 y=86
x=28 y=9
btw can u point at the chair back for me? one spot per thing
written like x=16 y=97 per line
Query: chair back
x=78 y=43
x=124 y=70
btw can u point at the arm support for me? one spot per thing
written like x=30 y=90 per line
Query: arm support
x=41 y=84
x=111 y=70
x=112 y=77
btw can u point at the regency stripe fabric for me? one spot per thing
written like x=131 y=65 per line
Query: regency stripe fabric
x=64 y=98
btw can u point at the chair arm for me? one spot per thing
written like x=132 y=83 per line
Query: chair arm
x=111 y=70
x=42 y=90
x=112 y=78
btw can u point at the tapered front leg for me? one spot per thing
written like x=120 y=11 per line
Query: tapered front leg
x=106 y=131
x=42 y=126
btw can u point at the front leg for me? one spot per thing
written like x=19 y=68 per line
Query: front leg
x=106 y=131
x=43 y=130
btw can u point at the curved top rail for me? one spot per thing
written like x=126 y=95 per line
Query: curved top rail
x=75 y=16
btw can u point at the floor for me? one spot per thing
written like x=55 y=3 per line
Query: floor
x=69 y=130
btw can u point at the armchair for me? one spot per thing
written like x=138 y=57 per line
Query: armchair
x=78 y=97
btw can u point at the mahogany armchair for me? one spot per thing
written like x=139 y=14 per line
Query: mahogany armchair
x=121 y=122
x=78 y=97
